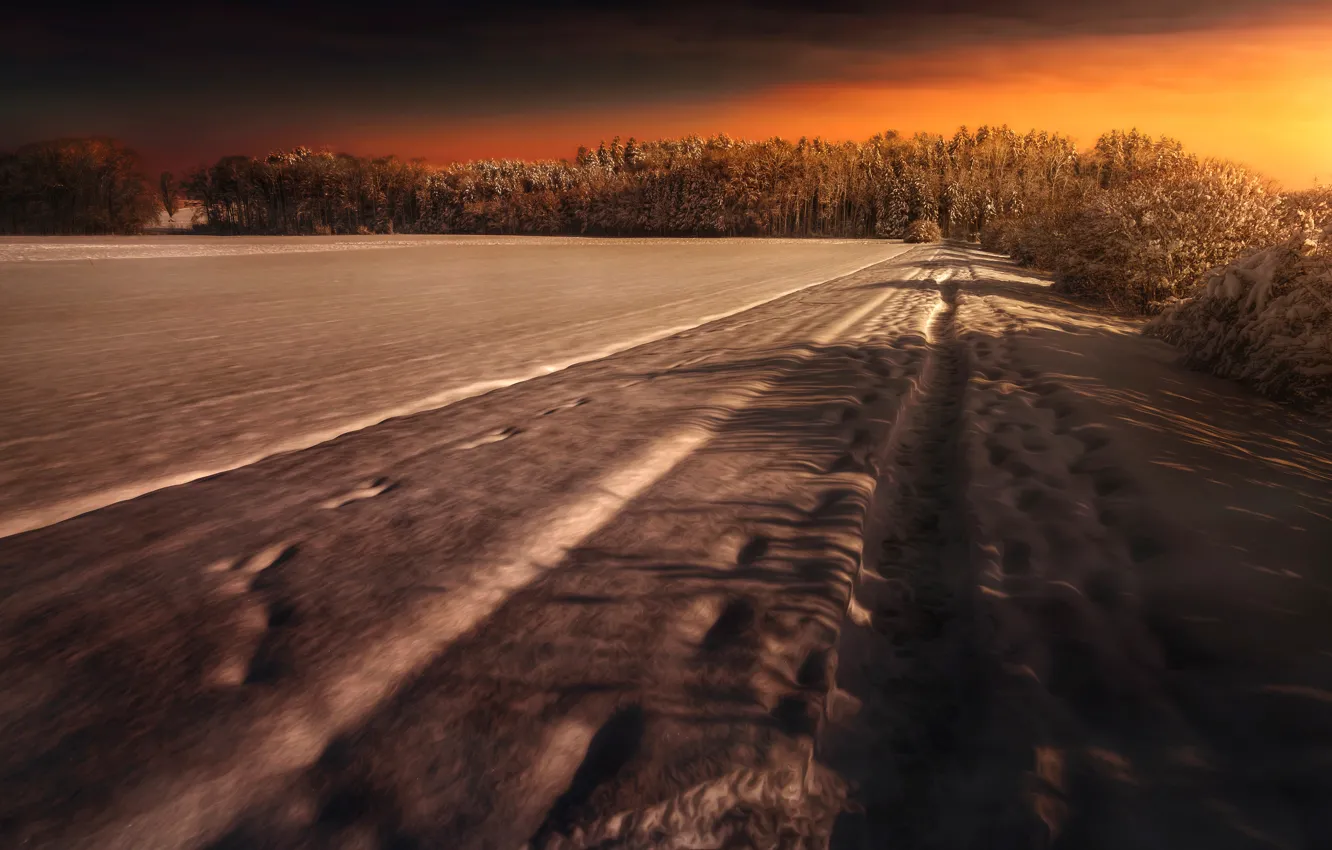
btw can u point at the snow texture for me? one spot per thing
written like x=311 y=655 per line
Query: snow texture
x=1265 y=320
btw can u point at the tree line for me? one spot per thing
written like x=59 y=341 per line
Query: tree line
x=693 y=186
x=73 y=186
x=1134 y=220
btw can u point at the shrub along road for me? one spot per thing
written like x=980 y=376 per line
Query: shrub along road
x=923 y=555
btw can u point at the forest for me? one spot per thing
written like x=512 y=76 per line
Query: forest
x=716 y=186
x=73 y=187
x=1132 y=221
x=694 y=186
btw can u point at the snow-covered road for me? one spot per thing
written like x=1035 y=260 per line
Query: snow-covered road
x=923 y=555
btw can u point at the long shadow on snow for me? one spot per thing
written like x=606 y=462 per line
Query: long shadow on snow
x=489 y=745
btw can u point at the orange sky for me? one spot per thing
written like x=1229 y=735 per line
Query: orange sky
x=1262 y=96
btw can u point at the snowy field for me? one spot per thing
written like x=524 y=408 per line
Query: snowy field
x=133 y=363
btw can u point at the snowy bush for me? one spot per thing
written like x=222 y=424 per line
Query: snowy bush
x=1037 y=239
x=1148 y=240
x=1315 y=204
x=923 y=230
x=1265 y=320
x=1141 y=221
x=998 y=235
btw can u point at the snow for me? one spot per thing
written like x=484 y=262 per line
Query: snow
x=187 y=356
x=607 y=455
x=929 y=496
x=22 y=249
x=1264 y=320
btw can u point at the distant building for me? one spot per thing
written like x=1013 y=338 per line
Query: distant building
x=182 y=222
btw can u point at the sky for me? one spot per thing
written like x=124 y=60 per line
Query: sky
x=183 y=83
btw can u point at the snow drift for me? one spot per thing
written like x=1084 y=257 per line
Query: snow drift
x=1265 y=320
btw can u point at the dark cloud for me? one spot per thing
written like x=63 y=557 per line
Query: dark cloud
x=452 y=30
x=214 y=65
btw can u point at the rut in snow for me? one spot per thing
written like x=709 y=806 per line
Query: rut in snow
x=903 y=666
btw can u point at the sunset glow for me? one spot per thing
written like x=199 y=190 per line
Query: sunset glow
x=1238 y=79
x=1261 y=96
